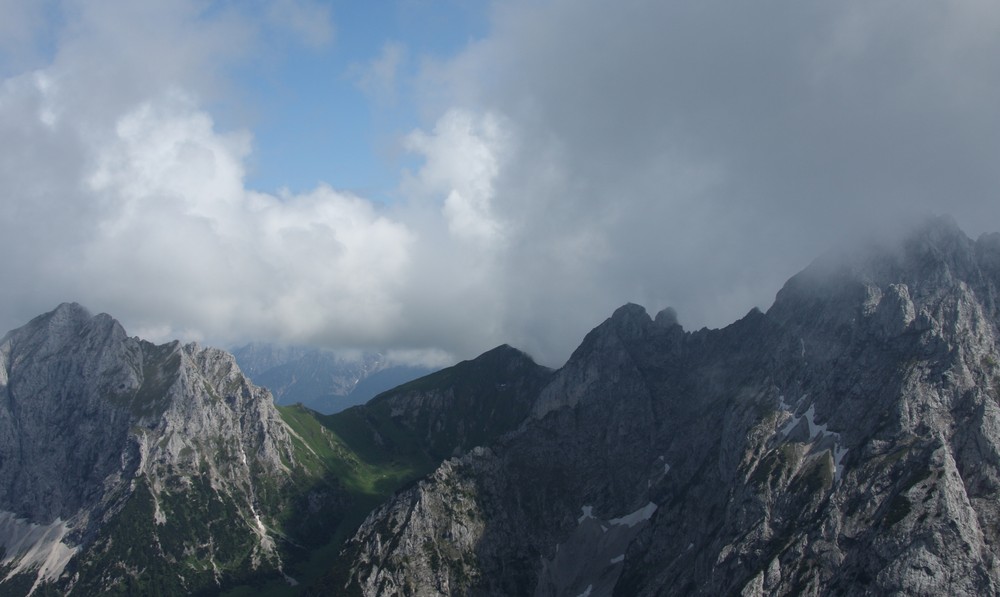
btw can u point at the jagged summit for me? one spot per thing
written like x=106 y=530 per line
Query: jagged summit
x=94 y=424
x=629 y=312
x=60 y=324
x=632 y=322
x=667 y=317
x=935 y=259
x=69 y=311
x=843 y=442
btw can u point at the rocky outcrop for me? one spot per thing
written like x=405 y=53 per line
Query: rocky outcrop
x=845 y=442
x=108 y=442
x=440 y=518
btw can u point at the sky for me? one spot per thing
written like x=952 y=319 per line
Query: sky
x=435 y=178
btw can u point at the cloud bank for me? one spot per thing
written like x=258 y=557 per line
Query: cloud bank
x=584 y=154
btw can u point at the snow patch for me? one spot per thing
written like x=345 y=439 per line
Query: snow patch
x=790 y=406
x=816 y=432
x=640 y=515
x=815 y=429
x=592 y=555
x=586 y=592
x=28 y=546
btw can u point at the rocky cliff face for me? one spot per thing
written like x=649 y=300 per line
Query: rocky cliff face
x=121 y=461
x=846 y=442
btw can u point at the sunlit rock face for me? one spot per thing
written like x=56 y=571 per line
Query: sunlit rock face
x=115 y=453
x=845 y=442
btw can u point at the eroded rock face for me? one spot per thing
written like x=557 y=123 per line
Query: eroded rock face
x=846 y=442
x=103 y=435
x=440 y=519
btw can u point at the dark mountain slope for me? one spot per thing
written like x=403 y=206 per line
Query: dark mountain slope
x=451 y=411
x=845 y=442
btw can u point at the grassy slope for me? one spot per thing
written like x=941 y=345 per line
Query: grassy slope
x=366 y=454
x=338 y=454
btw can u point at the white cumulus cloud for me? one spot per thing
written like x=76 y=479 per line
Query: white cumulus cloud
x=462 y=158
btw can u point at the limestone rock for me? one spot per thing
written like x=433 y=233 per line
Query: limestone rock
x=99 y=430
x=845 y=442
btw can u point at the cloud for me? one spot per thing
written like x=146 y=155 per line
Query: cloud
x=125 y=195
x=582 y=154
x=21 y=30
x=379 y=78
x=178 y=235
x=696 y=154
x=461 y=159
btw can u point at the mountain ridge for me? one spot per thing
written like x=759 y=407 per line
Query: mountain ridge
x=844 y=442
x=165 y=428
x=128 y=467
x=323 y=380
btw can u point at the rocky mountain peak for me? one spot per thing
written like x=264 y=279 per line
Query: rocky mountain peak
x=847 y=441
x=666 y=318
x=68 y=313
x=64 y=326
x=938 y=234
x=630 y=321
x=92 y=421
x=504 y=355
x=925 y=267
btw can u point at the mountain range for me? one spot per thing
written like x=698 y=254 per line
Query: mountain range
x=844 y=442
x=324 y=380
